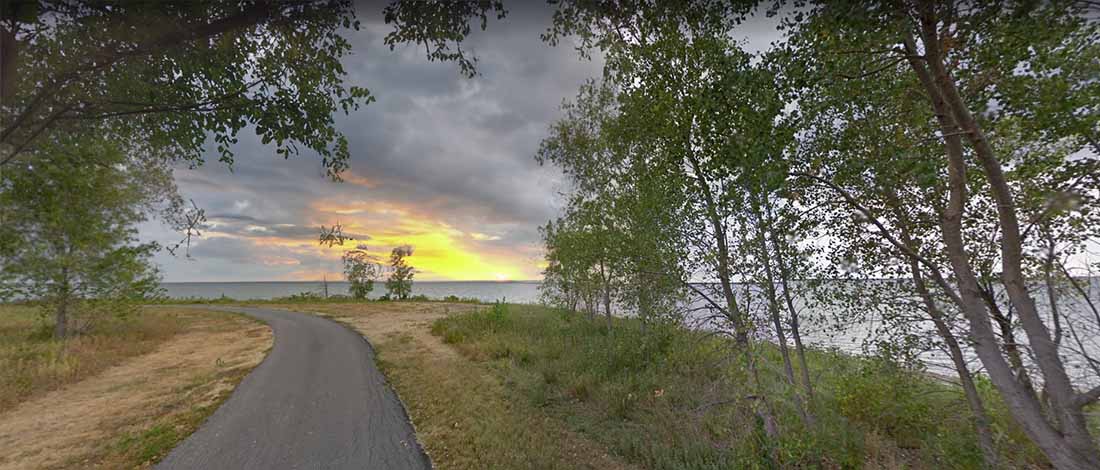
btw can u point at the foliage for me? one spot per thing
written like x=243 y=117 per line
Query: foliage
x=360 y=271
x=440 y=27
x=934 y=144
x=615 y=242
x=176 y=74
x=68 y=232
x=399 y=284
x=463 y=300
x=306 y=296
x=976 y=193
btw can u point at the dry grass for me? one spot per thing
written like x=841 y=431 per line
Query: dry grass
x=465 y=416
x=95 y=414
x=32 y=362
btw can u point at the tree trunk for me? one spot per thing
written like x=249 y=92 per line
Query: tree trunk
x=605 y=276
x=733 y=310
x=1070 y=447
x=1052 y=292
x=800 y=350
x=773 y=312
x=61 y=315
x=973 y=399
x=982 y=421
x=796 y=335
x=740 y=333
x=1008 y=336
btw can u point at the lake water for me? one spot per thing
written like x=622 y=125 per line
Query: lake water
x=525 y=292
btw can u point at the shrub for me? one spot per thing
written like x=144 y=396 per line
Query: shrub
x=463 y=300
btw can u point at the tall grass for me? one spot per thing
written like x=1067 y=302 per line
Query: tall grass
x=665 y=397
x=32 y=362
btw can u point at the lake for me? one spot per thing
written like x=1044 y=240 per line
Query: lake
x=525 y=292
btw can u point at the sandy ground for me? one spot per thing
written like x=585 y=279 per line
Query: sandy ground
x=68 y=426
x=381 y=321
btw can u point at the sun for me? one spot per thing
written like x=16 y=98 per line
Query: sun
x=501 y=276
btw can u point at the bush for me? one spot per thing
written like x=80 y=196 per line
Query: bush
x=463 y=300
x=307 y=296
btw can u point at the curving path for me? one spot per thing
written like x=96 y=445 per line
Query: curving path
x=317 y=401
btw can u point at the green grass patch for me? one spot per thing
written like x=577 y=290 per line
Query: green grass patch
x=467 y=418
x=664 y=397
x=179 y=418
x=149 y=444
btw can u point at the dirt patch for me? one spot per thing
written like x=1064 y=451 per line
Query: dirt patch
x=383 y=321
x=93 y=422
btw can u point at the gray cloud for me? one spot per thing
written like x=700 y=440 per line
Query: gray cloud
x=458 y=151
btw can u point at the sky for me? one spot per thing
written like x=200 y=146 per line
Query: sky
x=440 y=162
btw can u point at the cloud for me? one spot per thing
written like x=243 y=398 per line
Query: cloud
x=483 y=237
x=439 y=161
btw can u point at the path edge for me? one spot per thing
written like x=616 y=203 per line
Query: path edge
x=374 y=359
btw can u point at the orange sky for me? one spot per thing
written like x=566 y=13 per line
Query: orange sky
x=441 y=251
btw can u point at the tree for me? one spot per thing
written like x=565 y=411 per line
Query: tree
x=691 y=109
x=567 y=280
x=399 y=284
x=615 y=239
x=939 y=139
x=948 y=62
x=177 y=74
x=360 y=271
x=67 y=233
x=158 y=80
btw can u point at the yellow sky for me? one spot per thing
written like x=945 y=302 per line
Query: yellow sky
x=441 y=251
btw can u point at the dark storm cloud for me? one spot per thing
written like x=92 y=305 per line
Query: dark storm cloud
x=469 y=142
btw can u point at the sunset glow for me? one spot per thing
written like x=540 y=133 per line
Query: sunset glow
x=440 y=161
x=442 y=251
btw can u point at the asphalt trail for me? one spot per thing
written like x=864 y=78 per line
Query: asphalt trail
x=316 y=402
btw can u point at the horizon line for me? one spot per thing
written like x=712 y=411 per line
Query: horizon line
x=343 y=280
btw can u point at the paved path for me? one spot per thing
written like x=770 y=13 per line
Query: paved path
x=316 y=402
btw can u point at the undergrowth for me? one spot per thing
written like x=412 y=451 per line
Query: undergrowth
x=664 y=397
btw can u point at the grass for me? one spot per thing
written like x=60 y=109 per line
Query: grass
x=180 y=416
x=124 y=393
x=33 y=362
x=469 y=419
x=465 y=416
x=668 y=398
